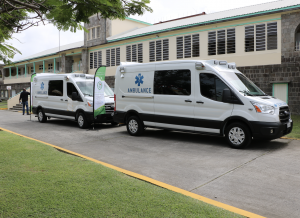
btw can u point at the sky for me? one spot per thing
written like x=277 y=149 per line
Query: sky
x=41 y=38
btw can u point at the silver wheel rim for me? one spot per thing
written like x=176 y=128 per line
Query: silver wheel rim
x=41 y=115
x=236 y=136
x=80 y=120
x=133 y=126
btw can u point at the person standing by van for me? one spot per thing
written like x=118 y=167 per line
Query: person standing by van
x=24 y=97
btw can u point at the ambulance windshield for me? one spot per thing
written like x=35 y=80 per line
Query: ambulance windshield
x=243 y=84
x=86 y=87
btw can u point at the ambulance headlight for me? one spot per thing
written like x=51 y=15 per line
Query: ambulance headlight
x=263 y=108
x=90 y=103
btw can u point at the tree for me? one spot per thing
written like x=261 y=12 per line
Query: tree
x=19 y=15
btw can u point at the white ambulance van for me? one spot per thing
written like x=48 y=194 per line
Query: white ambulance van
x=208 y=97
x=69 y=96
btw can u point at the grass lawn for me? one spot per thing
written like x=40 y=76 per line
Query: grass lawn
x=36 y=180
x=3 y=104
x=296 y=127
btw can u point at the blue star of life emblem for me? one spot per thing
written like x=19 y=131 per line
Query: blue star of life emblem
x=139 y=79
x=42 y=86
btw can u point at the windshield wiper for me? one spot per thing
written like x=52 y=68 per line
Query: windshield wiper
x=245 y=92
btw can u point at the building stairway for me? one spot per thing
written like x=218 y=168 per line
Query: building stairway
x=17 y=107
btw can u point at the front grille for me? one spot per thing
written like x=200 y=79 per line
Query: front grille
x=109 y=107
x=284 y=114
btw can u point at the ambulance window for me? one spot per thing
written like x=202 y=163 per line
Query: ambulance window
x=56 y=88
x=70 y=89
x=172 y=82
x=211 y=86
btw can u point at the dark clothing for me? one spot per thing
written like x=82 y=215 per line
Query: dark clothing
x=25 y=104
x=24 y=96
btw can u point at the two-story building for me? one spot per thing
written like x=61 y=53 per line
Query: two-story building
x=263 y=40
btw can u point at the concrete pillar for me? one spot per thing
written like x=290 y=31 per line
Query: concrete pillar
x=10 y=73
x=54 y=67
x=63 y=62
x=85 y=59
x=25 y=70
x=43 y=66
x=17 y=69
x=33 y=67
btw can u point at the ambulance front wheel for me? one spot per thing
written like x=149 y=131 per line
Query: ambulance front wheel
x=135 y=126
x=41 y=116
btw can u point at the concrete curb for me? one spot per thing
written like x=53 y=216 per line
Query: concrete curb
x=153 y=181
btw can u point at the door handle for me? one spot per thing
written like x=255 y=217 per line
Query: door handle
x=66 y=100
x=61 y=99
x=188 y=100
x=200 y=102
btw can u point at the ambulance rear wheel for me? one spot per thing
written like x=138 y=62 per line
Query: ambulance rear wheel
x=82 y=121
x=41 y=116
x=134 y=126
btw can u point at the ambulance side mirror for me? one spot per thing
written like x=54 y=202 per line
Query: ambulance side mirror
x=229 y=97
x=74 y=96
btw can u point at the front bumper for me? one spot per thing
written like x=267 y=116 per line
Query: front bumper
x=102 y=118
x=267 y=130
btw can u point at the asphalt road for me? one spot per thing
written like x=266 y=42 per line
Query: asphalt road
x=262 y=179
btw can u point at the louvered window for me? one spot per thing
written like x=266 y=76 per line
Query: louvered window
x=272 y=35
x=140 y=53
x=134 y=55
x=166 y=49
x=187 y=47
x=195 y=45
x=108 y=57
x=221 y=42
x=230 y=41
x=93 y=32
x=158 y=50
x=91 y=60
x=260 y=37
x=152 y=51
x=95 y=59
x=118 y=56
x=99 y=58
x=128 y=53
x=179 y=42
x=212 y=43
x=249 y=38
x=113 y=57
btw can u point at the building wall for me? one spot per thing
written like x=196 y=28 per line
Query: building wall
x=240 y=57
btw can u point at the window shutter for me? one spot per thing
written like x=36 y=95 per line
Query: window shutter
x=95 y=59
x=221 y=42
x=187 y=47
x=151 y=51
x=230 y=41
x=140 y=53
x=249 y=38
x=91 y=60
x=118 y=56
x=196 y=45
x=179 y=42
x=134 y=56
x=108 y=57
x=113 y=57
x=166 y=49
x=158 y=50
x=98 y=32
x=212 y=43
x=272 y=35
x=99 y=58
x=260 y=37
x=128 y=53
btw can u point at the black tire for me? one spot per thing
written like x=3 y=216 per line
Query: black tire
x=238 y=135
x=135 y=126
x=41 y=116
x=82 y=121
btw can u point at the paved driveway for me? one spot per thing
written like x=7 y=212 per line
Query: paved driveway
x=263 y=179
